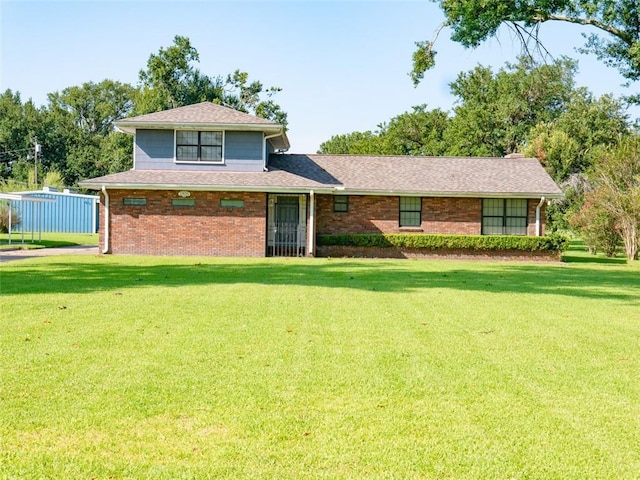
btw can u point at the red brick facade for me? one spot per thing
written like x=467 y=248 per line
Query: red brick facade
x=440 y=215
x=210 y=229
x=207 y=228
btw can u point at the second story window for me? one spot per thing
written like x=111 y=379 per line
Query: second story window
x=193 y=146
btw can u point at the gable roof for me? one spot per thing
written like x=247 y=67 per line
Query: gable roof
x=436 y=176
x=359 y=175
x=205 y=115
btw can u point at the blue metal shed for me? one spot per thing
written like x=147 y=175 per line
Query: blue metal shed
x=70 y=212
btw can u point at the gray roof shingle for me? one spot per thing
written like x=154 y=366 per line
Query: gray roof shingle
x=436 y=176
x=200 y=113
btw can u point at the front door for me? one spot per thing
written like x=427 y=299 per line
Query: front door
x=287 y=232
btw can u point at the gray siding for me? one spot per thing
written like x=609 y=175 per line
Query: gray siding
x=154 y=150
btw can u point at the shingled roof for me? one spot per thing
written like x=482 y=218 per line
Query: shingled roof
x=205 y=115
x=355 y=174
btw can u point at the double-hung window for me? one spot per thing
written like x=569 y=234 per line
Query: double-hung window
x=504 y=216
x=198 y=146
x=410 y=211
x=341 y=203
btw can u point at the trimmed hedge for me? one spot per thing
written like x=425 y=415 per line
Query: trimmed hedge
x=434 y=242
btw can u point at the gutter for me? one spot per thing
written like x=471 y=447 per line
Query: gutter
x=264 y=147
x=331 y=190
x=542 y=199
x=105 y=248
x=210 y=188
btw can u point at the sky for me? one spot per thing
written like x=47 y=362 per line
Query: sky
x=342 y=65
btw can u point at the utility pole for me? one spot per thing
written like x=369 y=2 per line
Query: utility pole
x=37 y=148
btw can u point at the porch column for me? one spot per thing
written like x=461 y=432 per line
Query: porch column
x=311 y=235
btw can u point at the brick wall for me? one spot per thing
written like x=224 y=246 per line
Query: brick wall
x=378 y=214
x=158 y=228
x=531 y=224
x=367 y=214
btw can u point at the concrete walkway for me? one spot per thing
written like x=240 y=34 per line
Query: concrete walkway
x=19 y=254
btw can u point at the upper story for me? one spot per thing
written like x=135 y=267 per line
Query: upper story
x=204 y=136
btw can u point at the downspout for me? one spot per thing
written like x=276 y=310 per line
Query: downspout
x=312 y=223
x=105 y=248
x=264 y=148
x=538 y=216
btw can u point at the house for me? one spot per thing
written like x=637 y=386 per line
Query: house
x=67 y=212
x=209 y=180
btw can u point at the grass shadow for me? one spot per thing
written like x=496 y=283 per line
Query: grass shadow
x=99 y=273
x=579 y=253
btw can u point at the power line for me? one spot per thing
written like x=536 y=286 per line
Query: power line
x=28 y=149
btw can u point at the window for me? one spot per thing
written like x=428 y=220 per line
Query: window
x=504 y=216
x=410 y=211
x=192 y=146
x=340 y=203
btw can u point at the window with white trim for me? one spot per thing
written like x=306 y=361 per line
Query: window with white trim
x=410 y=211
x=199 y=146
x=504 y=216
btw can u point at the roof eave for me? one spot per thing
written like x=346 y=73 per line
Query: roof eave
x=316 y=189
x=465 y=194
x=205 y=188
x=130 y=127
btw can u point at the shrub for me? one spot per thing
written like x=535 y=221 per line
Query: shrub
x=4 y=217
x=553 y=242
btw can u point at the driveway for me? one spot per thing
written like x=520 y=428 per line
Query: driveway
x=11 y=255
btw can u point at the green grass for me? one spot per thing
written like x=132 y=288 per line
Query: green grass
x=139 y=367
x=579 y=253
x=47 y=239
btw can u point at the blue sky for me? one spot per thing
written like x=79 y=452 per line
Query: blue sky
x=342 y=65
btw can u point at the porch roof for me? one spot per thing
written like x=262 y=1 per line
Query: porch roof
x=355 y=174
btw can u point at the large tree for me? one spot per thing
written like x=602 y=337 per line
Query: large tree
x=496 y=111
x=419 y=132
x=570 y=143
x=616 y=40
x=612 y=207
x=172 y=80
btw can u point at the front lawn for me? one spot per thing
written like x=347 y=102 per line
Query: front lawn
x=46 y=240
x=164 y=368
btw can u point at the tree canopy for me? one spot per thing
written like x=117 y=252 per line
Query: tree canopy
x=76 y=127
x=616 y=40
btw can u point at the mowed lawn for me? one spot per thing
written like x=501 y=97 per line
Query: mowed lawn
x=167 y=368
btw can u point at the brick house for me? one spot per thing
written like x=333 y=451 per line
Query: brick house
x=209 y=180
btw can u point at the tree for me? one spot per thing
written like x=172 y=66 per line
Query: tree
x=617 y=42
x=614 y=202
x=354 y=143
x=19 y=124
x=571 y=142
x=497 y=111
x=171 y=80
x=419 y=132
x=94 y=107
